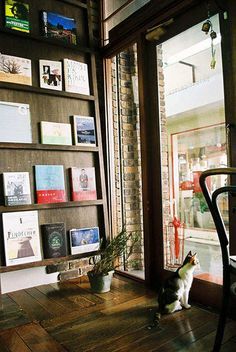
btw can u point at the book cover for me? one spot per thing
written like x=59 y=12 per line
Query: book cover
x=17 y=15
x=21 y=237
x=84 y=130
x=50 y=74
x=54 y=240
x=84 y=240
x=76 y=77
x=50 y=183
x=58 y=27
x=16 y=188
x=15 y=69
x=55 y=133
x=83 y=183
x=15 y=124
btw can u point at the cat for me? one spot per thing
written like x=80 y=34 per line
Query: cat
x=174 y=294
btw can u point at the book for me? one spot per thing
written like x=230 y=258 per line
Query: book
x=15 y=69
x=84 y=240
x=16 y=187
x=76 y=77
x=17 y=15
x=50 y=74
x=84 y=130
x=21 y=237
x=83 y=183
x=54 y=240
x=50 y=183
x=58 y=27
x=15 y=124
x=55 y=133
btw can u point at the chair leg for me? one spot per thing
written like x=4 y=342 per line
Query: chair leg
x=223 y=313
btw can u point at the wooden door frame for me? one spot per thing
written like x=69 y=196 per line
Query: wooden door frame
x=150 y=133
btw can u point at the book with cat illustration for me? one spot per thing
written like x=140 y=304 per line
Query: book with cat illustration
x=83 y=183
x=21 y=237
x=50 y=183
x=50 y=74
x=16 y=187
x=54 y=240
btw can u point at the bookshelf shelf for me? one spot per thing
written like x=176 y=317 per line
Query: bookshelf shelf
x=48 y=147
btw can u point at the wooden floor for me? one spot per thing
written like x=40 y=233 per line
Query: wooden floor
x=68 y=317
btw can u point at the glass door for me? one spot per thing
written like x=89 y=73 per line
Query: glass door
x=193 y=139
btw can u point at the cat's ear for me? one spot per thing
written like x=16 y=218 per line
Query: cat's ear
x=190 y=253
x=195 y=254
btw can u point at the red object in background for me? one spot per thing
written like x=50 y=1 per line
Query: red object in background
x=176 y=223
x=186 y=185
x=196 y=184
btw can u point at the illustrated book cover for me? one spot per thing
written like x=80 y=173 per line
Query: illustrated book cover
x=54 y=240
x=15 y=124
x=58 y=27
x=84 y=130
x=21 y=237
x=50 y=183
x=50 y=74
x=15 y=69
x=55 y=133
x=84 y=240
x=76 y=77
x=83 y=183
x=16 y=187
x=17 y=15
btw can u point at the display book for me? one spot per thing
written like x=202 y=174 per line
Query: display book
x=83 y=183
x=84 y=240
x=17 y=15
x=16 y=186
x=57 y=26
x=54 y=240
x=15 y=69
x=55 y=133
x=21 y=237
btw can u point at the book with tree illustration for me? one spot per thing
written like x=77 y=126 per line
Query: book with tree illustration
x=15 y=69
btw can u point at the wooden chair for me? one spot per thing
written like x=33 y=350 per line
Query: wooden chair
x=229 y=262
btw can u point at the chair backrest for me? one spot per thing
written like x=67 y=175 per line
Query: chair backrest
x=211 y=200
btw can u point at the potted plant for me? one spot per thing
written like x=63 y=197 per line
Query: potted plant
x=104 y=265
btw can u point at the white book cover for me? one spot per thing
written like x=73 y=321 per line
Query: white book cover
x=76 y=77
x=16 y=188
x=15 y=69
x=50 y=74
x=15 y=124
x=21 y=237
x=83 y=183
x=84 y=240
x=55 y=133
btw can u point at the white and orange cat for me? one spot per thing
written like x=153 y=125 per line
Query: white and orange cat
x=174 y=294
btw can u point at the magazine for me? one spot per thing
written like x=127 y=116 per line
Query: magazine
x=83 y=183
x=55 y=133
x=17 y=15
x=21 y=237
x=84 y=130
x=16 y=188
x=84 y=240
x=59 y=27
x=15 y=69
x=15 y=124
x=50 y=73
x=50 y=183
x=76 y=77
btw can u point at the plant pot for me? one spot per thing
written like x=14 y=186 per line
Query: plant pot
x=100 y=283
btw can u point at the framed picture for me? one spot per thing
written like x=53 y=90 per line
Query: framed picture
x=21 y=237
x=84 y=240
x=84 y=130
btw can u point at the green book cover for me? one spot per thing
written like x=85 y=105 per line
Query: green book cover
x=17 y=15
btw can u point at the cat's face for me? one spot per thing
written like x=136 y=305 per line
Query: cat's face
x=191 y=259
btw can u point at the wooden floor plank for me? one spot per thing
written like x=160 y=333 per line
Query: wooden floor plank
x=31 y=306
x=37 y=339
x=12 y=340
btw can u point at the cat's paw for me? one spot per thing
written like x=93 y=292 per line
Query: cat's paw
x=187 y=306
